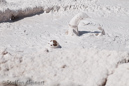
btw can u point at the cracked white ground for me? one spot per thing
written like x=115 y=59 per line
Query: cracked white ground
x=86 y=60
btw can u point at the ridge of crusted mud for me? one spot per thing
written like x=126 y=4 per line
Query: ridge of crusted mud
x=18 y=10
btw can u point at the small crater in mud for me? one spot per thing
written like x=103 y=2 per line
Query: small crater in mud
x=46 y=50
x=24 y=31
x=64 y=66
x=20 y=60
x=7 y=69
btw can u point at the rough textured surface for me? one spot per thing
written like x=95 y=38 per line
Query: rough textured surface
x=82 y=66
x=120 y=76
x=86 y=60
x=27 y=8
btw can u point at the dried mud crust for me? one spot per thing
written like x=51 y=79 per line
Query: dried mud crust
x=9 y=10
x=97 y=66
